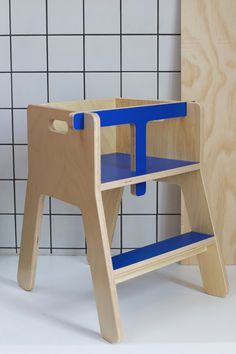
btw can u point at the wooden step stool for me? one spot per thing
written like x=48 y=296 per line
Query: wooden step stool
x=72 y=159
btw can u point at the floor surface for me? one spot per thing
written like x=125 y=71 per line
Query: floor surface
x=164 y=311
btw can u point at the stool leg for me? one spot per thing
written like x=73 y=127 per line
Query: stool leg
x=30 y=237
x=101 y=270
x=111 y=203
x=213 y=272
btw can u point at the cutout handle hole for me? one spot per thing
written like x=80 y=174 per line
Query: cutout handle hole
x=59 y=126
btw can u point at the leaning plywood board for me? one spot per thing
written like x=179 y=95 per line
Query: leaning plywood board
x=209 y=76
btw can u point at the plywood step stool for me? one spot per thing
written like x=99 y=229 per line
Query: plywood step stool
x=72 y=159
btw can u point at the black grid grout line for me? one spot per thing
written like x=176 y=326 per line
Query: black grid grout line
x=12 y=131
x=48 y=99
x=88 y=34
x=84 y=72
x=84 y=64
x=158 y=94
x=84 y=76
x=123 y=214
x=88 y=71
x=121 y=95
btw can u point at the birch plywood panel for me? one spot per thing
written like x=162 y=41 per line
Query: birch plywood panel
x=209 y=77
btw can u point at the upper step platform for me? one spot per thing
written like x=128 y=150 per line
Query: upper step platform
x=116 y=172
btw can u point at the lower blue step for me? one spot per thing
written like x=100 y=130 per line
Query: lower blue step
x=157 y=249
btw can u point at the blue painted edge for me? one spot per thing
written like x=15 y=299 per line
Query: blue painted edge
x=134 y=115
x=157 y=249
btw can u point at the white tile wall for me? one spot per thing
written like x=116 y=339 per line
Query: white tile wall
x=102 y=18
x=169 y=21
x=20 y=126
x=102 y=53
x=7 y=197
x=138 y=230
x=140 y=53
x=65 y=86
x=169 y=84
x=35 y=89
x=139 y=16
x=28 y=17
x=139 y=85
x=5 y=127
x=7 y=231
x=65 y=17
x=65 y=53
x=29 y=53
x=75 y=49
x=5 y=54
x=169 y=53
x=4 y=17
x=100 y=85
x=68 y=231
x=6 y=162
x=5 y=90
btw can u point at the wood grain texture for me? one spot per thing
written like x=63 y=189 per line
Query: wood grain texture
x=209 y=77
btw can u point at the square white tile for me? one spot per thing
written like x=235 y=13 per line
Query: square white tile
x=140 y=205
x=20 y=198
x=102 y=85
x=29 y=53
x=5 y=90
x=29 y=88
x=169 y=16
x=139 y=16
x=139 y=53
x=68 y=231
x=6 y=200
x=60 y=207
x=168 y=198
x=168 y=226
x=102 y=16
x=65 y=86
x=5 y=54
x=170 y=86
x=139 y=85
x=102 y=53
x=65 y=17
x=6 y=162
x=65 y=53
x=21 y=161
x=28 y=17
x=138 y=231
x=5 y=127
x=4 y=17
x=169 y=53
x=7 y=231
x=44 y=240
x=20 y=126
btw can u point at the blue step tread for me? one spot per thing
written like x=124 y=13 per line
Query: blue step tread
x=157 y=249
x=116 y=166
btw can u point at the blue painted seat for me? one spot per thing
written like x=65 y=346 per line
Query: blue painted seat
x=116 y=166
